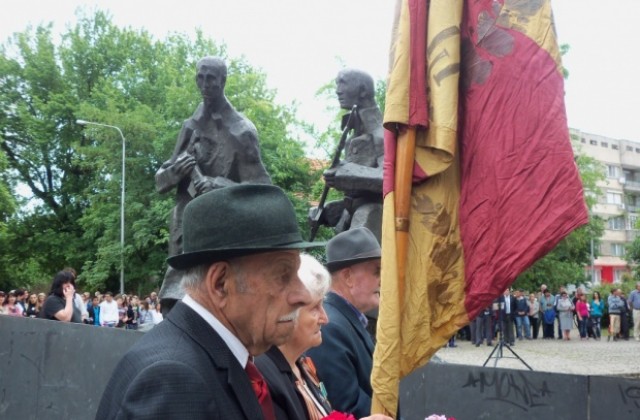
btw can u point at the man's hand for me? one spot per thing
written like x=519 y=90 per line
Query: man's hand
x=203 y=185
x=330 y=177
x=208 y=183
x=184 y=165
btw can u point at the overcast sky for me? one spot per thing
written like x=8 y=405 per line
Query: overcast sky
x=302 y=44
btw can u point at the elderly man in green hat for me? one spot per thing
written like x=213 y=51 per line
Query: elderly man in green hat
x=242 y=293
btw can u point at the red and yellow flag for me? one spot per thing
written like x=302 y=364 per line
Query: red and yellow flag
x=491 y=185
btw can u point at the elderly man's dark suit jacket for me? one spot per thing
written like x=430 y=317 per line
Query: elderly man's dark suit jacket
x=344 y=359
x=181 y=369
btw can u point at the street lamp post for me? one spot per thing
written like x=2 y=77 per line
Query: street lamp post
x=85 y=123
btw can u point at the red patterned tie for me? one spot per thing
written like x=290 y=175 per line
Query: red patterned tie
x=262 y=392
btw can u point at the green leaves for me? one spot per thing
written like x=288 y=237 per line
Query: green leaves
x=146 y=87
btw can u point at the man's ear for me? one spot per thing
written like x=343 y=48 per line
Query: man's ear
x=347 y=277
x=217 y=279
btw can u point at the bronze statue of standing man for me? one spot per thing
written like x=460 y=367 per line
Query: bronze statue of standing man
x=359 y=174
x=217 y=147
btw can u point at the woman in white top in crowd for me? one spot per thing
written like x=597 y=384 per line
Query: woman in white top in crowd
x=534 y=315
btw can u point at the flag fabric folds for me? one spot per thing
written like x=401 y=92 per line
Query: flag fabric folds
x=478 y=85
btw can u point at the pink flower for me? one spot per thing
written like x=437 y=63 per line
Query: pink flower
x=336 y=415
x=439 y=417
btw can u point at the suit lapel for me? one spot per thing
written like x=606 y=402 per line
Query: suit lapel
x=227 y=367
x=239 y=383
x=343 y=307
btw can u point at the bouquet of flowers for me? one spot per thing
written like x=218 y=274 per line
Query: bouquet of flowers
x=439 y=417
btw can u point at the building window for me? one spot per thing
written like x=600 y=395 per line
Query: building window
x=614 y=146
x=637 y=150
x=616 y=223
x=598 y=276
x=613 y=171
x=604 y=144
x=628 y=175
x=633 y=222
x=614 y=198
x=617 y=250
x=582 y=140
x=617 y=275
x=629 y=148
x=593 y=142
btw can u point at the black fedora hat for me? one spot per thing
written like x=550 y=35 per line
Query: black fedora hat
x=352 y=247
x=235 y=221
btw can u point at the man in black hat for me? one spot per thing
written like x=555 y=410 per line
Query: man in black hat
x=242 y=293
x=345 y=358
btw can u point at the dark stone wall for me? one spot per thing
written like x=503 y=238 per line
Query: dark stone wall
x=54 y=370
x=615 y=398
x=469 y=392
x=472 y=392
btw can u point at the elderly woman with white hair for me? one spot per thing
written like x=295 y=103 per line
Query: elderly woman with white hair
x=295 y=389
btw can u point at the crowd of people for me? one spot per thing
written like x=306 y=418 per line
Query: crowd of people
x=63 y=303
x=517 y=315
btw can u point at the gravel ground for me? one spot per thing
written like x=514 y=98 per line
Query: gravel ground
x=575 y=356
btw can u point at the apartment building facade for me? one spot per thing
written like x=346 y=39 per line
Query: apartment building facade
x=619 y=203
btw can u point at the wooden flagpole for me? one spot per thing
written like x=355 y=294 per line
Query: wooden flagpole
x=405 y=156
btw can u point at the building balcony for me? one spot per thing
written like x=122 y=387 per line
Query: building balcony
x=632 y=208
x=632 y=186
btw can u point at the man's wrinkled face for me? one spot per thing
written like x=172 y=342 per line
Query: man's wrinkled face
x=348 y=91
x=263 y=298
x=210 y=80
x=365 y=290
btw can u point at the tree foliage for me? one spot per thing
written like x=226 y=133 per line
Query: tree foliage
x=125 y=78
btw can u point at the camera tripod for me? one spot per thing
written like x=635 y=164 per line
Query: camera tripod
x=498 y=349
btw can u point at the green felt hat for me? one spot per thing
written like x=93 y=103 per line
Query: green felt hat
x=236 y=221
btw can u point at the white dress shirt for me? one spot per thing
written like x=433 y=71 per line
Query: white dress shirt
x=237 y=348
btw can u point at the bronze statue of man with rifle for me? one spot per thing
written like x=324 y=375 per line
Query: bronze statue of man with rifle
x=359 y=174
x=217 y=147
